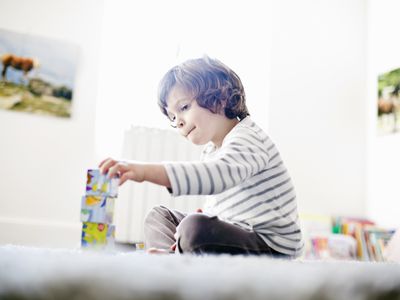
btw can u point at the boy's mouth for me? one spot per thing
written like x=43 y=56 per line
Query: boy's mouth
x=190 y=131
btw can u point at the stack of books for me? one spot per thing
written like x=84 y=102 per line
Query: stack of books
x=344 y=238
x=371 y=239
x=321 y=243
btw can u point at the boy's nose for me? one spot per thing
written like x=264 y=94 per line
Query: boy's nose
x=180 y=123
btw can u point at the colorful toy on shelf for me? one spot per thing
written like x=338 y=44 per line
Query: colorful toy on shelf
x=97 y=211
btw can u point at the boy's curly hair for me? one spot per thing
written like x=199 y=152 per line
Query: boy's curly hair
x=211 y=83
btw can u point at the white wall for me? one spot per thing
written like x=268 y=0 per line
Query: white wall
x=44 y=159
x=384 y=156
x=318 y=108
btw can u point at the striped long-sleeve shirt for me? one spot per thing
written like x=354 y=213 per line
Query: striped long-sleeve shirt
x=249 y=186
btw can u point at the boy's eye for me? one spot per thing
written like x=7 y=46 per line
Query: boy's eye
x=185 y=107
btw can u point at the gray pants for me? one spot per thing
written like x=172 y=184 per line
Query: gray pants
x=200 y=234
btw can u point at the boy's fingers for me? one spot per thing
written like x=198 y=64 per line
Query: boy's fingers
x=107 y=165
x=199 y=210
x=102 y=165
x=119 y=169
x=114 y=170
x=173 y=247
x=103 y=161
x=123 y=178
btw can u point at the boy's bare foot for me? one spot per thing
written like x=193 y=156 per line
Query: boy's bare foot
x=158 y=251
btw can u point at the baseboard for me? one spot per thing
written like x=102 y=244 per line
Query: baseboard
x=39 y=233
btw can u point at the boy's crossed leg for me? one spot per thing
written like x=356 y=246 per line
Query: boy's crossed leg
x=200 y=234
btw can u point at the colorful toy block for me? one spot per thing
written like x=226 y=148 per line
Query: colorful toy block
x=97 y=209
x=139 y=246
x=98 y=184
x=97 y=235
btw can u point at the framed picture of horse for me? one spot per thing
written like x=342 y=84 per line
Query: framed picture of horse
x=37 y=74
x=389 y=102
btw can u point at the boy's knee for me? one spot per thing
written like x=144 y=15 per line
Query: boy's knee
x=194 y=231
x=156 y=213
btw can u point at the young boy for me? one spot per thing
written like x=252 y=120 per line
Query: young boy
x=252 y=205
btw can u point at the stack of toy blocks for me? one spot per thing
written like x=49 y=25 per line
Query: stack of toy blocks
x=97 y=211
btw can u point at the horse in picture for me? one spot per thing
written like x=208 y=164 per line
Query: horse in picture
x=24 y=64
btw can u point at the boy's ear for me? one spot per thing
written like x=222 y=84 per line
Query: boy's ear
x=223 y=104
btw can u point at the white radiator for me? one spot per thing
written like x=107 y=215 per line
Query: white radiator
x=136 y=199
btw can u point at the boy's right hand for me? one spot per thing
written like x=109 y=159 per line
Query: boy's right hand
x=122 y=169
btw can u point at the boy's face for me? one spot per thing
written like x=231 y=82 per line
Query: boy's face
x=197 y=124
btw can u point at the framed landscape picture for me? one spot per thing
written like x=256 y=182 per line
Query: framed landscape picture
x=37 y=74
x=389 y=102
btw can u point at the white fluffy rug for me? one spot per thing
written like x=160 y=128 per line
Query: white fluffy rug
x=33 y=273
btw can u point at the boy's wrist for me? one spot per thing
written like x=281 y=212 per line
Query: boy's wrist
x=145 y=172
x=155 y=173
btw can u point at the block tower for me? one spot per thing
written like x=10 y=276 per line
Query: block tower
x=97 y=211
